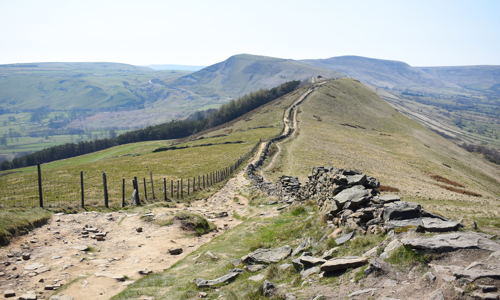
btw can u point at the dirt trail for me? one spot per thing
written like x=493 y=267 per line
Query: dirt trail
x=286 y=121
x=54 y=258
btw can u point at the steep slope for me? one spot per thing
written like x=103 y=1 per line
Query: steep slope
x=476 y=77
x=246 y=73
x=344 y=124
x=383 y=73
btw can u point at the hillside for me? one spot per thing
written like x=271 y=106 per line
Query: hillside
x=244 y=73
x=463 y=102
x=345 y=125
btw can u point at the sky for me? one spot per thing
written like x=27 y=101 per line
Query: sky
x=188 y=32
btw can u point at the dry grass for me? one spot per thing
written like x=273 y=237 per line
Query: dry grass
x=464 y=192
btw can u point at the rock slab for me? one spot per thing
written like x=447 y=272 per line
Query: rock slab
x=268 y=256
x=343 y=263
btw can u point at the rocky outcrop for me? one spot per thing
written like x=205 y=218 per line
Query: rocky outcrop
x=200 y=282
x=267 y=256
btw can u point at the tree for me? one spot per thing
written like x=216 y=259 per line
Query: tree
x=112 y=134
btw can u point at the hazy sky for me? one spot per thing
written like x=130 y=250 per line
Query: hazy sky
x=420 y=32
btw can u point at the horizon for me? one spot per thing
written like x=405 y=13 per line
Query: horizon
x=423 y=33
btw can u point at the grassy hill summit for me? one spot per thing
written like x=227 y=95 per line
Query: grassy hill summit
x=244 y=73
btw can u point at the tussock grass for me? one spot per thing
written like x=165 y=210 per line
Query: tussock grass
x=193 y=222
x=405 y=256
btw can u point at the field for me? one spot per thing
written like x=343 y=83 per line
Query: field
x=61 y=179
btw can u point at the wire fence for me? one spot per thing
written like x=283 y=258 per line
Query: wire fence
x=53 y=190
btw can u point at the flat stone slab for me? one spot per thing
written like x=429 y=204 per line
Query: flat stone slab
x=110 y=275
x=364 y=291
x=402 y=211
x=268 y=256
x=309 y=261
x=34 y=266
x=389 y=198
x=341 y=240
x=356 y=195
x=452 y=242
x=308 y=272
x=343 y=263
x=200 y=282
x=257 y=278
x=81 y=248
x=393 y=224
x=474 y=274
x=438 y=225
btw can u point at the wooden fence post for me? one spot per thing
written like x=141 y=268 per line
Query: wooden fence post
x=152 y=186
x=83 y=190
x=182 y=190
x=145 y=190
x=177 y=188
x=105 y=187
x=40 y=194
x=171 y=189
x=188 y=186
x=199 y=178
x=123 y=193
x=194 y=183
x=136 y=187
x=165 y=187
x=203 y=181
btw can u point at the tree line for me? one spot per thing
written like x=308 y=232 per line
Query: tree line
x=170 y=130
x=490 y=154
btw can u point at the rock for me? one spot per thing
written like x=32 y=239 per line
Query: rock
x=284 y=266
x=309 y=261
x=9 y=293
x=138 y=229
x=236 y=262
x=336 y=232
x=268 y=256
x=308 y=272
x=145 y=271
x=257 y=278
x=393 y=224
x=268 y=288
x=342 y=263
x=255 y=268
x=402 y=211
x=390 y=283
x=429 y=277
x=200 y=282
x=356 y=179
x=364 y=291
x=474 y=274
x=329 y=254
x=34 y=266
x=392 y=246
x=389 y=198
x=175 y=251
x=56 y=257
x=209 y=254
x=64 y=297
x=202 y=294
x=437 y=225
x=28 y=297
x=110 y=275
x=2 y=274
x=357 y=195
x=81 y=248
x=477 y=295
x=297 y=264
x=468 y=224
x=303 y=246
x=341 y=240
x=437 y=295
x=452 y=242
x=48 y=288
x=26 y=256
x=377 y=265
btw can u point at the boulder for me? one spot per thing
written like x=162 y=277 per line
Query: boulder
x=393 y=224
x=81 y=248
x=175 y=251
x=402 y=211
x=452 y=242
x=378 y=265
x=9 y=293
x=308 y=272
x=329 y=254
x=356 y=179
x=342 y=263
x=303 y=246
x=200 y=282
x=268 y=289
x=268 y=256
x=474 y=274
x=309 y=261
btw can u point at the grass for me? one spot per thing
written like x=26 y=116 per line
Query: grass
x=194 y=223
x=15 y=222
x=405 y=256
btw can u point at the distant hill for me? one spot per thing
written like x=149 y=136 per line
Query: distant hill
x=475 y=77
x=175 y=67
x=382 y=73
x=244 y=73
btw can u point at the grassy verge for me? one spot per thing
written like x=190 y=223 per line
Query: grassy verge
x=16 y=222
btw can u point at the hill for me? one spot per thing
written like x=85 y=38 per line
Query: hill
x=463 y=102
x=244 y=73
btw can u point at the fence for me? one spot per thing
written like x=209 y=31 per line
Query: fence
x=112 y=191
